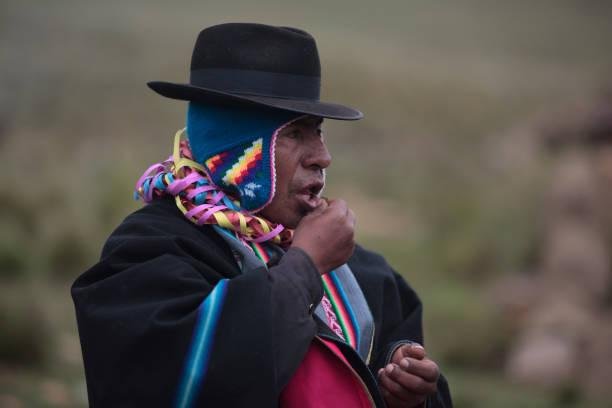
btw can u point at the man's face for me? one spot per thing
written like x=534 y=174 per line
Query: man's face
x=300 y=159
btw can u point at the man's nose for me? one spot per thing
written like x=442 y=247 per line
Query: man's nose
x=317 y=155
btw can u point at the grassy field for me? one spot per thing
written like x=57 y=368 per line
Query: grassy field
x=444 y=173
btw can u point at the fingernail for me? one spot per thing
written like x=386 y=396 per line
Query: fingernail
x=389 y=368
x=380 y=371
x=405 y=363
x=417 y=346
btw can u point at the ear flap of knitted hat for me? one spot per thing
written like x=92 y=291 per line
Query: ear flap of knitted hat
x=236 y=146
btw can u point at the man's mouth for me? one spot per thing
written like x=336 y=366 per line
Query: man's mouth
x=309 y=195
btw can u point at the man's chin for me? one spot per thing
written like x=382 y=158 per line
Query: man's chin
x=290 y=215
x=292 y=221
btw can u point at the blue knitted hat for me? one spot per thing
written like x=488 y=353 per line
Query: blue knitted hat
x=236 y=146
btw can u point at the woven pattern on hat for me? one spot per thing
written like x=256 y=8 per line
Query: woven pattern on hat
x=236 y=147
x=241 y=171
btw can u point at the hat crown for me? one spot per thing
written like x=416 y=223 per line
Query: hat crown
x=256 y=47
x=256 y=64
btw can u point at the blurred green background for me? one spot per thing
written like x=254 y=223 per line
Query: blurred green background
x=447 y=173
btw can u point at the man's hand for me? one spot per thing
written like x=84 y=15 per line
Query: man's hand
x=327 y=235
x=409 y=378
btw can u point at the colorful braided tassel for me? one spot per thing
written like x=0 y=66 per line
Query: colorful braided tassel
x=200 y=200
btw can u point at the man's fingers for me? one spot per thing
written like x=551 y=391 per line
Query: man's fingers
x=410 y=381
x=321 y=207
x=343 y=209
x=338 y=204
x=426 y=369
x=414 y=350
x=393 y=388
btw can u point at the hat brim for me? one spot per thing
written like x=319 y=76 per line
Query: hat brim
x=193 y=93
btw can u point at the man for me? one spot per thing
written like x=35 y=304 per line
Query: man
x=238 y=284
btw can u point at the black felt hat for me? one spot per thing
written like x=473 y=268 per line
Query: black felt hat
x=256 y=64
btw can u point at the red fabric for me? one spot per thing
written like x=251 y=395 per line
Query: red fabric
x=324 y=380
